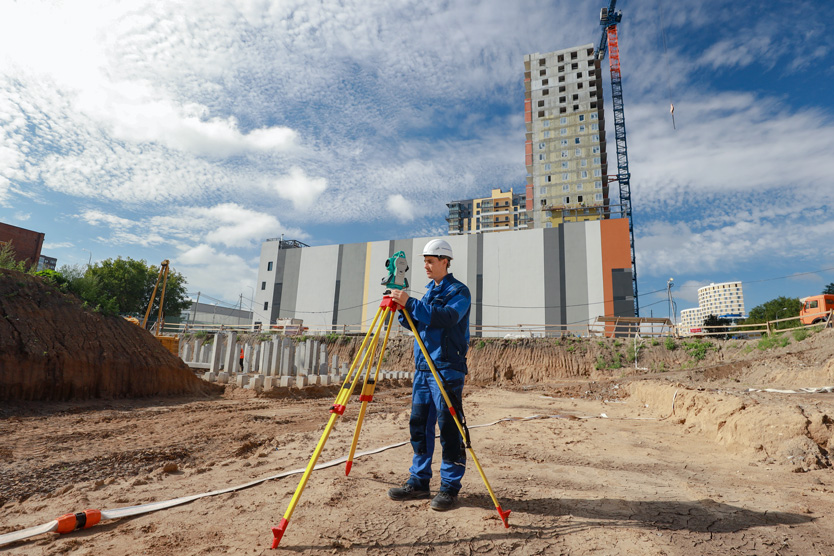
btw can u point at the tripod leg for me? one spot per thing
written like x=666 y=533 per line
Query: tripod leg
x=335 y=412
x=367 y=396
x=503 y=513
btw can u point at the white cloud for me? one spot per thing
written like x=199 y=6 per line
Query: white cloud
x=402 y=208
x=22 y=216
x=57 y=245
x=300 y=189
x=208 y=270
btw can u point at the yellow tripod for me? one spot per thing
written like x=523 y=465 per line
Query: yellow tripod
x=364 y=360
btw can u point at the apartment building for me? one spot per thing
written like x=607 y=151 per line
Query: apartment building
x=565 y=151
x=501 y=211
x=724 y=300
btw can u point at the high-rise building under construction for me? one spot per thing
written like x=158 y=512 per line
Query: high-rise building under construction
x=565 y=148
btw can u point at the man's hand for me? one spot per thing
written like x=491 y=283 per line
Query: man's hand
x=399 y=297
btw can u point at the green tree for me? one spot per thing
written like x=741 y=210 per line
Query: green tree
x=779 y=308
x=125 y=286
x=829 y=289
x=130 y=283
x=8 y=260
x=714 y=324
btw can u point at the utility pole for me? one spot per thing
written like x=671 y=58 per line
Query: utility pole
x=669 y=285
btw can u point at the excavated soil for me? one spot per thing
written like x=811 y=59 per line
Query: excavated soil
x=677 y=451
x=52 y=348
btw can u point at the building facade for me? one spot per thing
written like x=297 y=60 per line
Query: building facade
x=565 y=150
x=26 y=243
x=725 y=301
x=569 y=274
x=500 y=212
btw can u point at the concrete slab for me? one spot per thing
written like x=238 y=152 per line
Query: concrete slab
x=286 y=381
x=271 y=382
x=242 y=380
x=223 y=378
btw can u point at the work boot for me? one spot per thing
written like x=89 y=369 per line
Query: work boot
x=444 y=501
x=408 y=492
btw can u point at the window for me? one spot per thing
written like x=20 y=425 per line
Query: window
x=577 y=140
x=563 y=120
x=548 y=224
x=582 y=129
x=578 y=152
x=565 y=165
x=564 y=154
x=561 y=79
x=597 y=160
x=564 y=142
x=541 y=146
x=548 y=179
x=579 y=85
x=574 y=66
x=269 y=266
x=595 y=138
x=565 y=176
x=562 y=100
x=561 y=88
x=595 y=150
x=584 y=173
x=541 y=113
x=595 y=126
x=594 y=116
x=566 y=187
x=567 y=200
x=597 y=185
x=579 y=75
x=546 y=134
x=563 y=131
x=542 y=61
x=546 y=123
x=584 y=162
x=561 y=69
x=544 y=81
x=542 y=72
x=266 y=305
x=540 y=104
x=579 y=187
x=543 y=190
x=579 y=198
x=597 y=173
x=562 y=110
x=547 y=167
x=598 y=197
x=263 y=285
x=545 y=92
x=542 y=156
x=560 y=58
x=575 y=107
x=582 y=117
x=575 y=97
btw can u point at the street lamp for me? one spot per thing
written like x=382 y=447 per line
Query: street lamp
x=777 y=314
x=90 y=260
x=669 y=284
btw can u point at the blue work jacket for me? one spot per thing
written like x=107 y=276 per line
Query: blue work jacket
x=442 y=320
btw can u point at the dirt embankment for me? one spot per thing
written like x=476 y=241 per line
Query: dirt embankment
x=52 y=348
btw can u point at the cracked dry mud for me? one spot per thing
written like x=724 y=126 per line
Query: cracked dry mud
x=636 y=482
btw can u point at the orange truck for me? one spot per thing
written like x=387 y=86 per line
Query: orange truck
x=816 y=308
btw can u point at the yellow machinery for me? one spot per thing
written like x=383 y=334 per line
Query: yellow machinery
x=171 y=343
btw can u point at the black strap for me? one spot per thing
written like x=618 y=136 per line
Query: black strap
x=457 y=403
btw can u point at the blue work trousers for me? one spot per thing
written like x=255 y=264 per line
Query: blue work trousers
x=427 y=408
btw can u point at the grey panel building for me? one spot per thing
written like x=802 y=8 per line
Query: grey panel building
x=568 y=274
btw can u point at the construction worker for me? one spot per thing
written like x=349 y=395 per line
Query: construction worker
x=442 y=320
x=241 y=359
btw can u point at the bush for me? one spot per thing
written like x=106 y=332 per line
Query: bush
x=697 y=349
x=655 y=342
x=670 y=344
x=772 y=341
x=600 y=363
x=800 y=334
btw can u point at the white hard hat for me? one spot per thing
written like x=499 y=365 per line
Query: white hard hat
x=438 y=248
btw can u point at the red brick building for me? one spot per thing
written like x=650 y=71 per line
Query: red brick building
x=26 y=243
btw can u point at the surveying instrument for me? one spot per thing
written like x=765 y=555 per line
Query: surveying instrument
x=397 y=267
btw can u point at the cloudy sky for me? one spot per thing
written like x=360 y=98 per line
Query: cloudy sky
x=192 y=131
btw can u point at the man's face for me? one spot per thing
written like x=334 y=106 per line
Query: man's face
x=435 y=267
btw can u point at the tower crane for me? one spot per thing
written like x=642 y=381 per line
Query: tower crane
x=609 y=18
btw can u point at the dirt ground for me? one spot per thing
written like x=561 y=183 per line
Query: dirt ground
x=681 y=463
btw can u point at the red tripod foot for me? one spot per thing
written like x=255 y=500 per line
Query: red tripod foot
x=278 y=532
x=504 y=515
